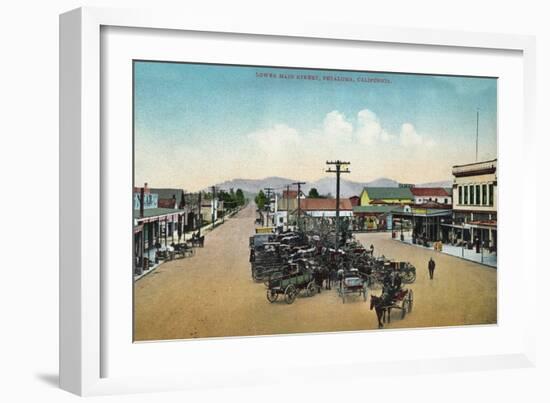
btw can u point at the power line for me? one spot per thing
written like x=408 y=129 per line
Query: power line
x=341 y=168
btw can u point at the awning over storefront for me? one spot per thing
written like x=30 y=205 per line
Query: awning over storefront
x=421 y=212
x=474 y=224
x=157 y=214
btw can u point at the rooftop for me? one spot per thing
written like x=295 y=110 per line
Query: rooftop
x=324 y=204
x=167 y=193
x=382 y=193
x=429 y=192
x=375 y=209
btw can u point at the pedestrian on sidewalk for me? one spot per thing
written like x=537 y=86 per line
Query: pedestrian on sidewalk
x=431 y=268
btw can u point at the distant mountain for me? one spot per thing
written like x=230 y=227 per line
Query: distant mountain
x=383 y=183
x=324 y=186
x=348 y=188
x=253 y=186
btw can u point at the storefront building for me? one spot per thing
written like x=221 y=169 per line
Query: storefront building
x=475 y=205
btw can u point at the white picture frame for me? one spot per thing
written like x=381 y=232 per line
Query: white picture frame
x=82 y=173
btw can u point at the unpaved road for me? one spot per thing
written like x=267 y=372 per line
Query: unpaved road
x=212 y=294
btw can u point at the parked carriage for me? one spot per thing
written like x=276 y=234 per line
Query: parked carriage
x=290 y=285
x=352 y=283
x=182 y=250
x=383 y=268
x=197 y=241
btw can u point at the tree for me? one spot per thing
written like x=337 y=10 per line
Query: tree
x=239 y=197
x=313 y=193
x=260 y=200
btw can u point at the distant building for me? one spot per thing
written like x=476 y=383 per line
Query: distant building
x=211 y=209
x=169 y=198
x=325 y=207
x=373 y=217
x=283 y=213
x=431 y=195
x=386 y=195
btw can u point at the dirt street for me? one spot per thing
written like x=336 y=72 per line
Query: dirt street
x=212 y=294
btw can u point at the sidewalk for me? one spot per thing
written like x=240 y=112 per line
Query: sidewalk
x=186 y=236
x=486 y=258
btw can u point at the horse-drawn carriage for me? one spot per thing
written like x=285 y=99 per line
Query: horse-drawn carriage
x=197 y=241
x=402 y=300
x=382 y=268
x=351 y=283
x=182 y=250
x=290 y=285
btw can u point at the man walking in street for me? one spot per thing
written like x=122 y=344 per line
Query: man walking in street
x=431 y=268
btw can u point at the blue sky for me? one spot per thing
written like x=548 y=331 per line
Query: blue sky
x=196 y=125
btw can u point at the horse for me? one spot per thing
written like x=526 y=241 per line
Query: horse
x=378 y=304
x=324 y=277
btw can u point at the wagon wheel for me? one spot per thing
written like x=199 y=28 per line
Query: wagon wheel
x=404 y=306
x=311 y=289
x=410 y=301
x=290 y=294
x=272 y=296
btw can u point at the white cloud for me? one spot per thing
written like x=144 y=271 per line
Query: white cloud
x=336 y=127
x=336 y=134
x=370 y=130
x=276 y=138
x=408 y=136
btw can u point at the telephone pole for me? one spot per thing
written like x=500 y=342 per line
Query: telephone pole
x=287 y=202
x=299 y=184
x=200 y=213
x=341 y=168
x=213 y=206
x=268 y=191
